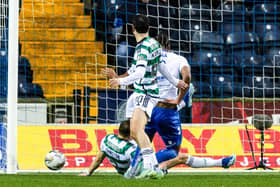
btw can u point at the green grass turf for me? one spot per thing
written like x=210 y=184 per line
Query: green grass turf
x=171 y=180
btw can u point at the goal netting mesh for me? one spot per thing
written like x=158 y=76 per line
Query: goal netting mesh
x=65 y=103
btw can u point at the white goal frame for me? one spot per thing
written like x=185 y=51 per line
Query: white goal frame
x=12 y=86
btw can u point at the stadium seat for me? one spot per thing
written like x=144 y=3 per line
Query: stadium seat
x=251 y=66
x=184 y=2
x=266 y=17
x=4 y=73
x=202 y=62
x=179 y=40
x=224 y=86
x=210 y=41
x=267 y=12
x=195 y=17
x=232 y=18
x=272 y=52
x=24 y=69
x=263 y=28
x=202 y=89
x=206 y=46
x=272 y=40
x=158 y=17
x=29 y=90
x=241 y=45
x=124 y=54
x=272 y=65
x=260 y=86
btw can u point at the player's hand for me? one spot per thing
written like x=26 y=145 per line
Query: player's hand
x=182 y=85
x=114 y=83
x=109 y=73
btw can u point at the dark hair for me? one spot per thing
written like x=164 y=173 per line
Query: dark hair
x=124 y=128
x=163 y=39
x=141 y=23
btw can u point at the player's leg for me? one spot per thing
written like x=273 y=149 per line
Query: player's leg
x=169 y=129
x=150 y=164
x=133 y=168
x=143 y=110
x=137 y=126
x=198 y=162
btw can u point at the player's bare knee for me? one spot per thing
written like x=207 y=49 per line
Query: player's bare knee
x=182 y=158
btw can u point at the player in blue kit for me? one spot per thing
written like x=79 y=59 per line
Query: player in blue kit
x=165 y=116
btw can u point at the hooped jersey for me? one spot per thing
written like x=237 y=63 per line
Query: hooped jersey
x=147 y=54
x=119 y=152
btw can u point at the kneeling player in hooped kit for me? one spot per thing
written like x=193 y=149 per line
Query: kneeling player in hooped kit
x=120 y=150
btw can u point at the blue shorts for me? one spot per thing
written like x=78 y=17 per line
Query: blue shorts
x=168 y=125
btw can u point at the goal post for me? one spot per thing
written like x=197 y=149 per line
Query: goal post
x=12 y=94
x=57 y=97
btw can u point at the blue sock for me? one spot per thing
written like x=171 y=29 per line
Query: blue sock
x=134 y=161
x=166 y=154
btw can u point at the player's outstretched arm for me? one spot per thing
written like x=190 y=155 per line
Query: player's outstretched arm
x=95 y=164
x=110 y=73
x=130 y=79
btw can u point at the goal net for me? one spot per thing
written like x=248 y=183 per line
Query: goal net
x=65 y=103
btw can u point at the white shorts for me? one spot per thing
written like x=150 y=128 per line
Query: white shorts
x=142 y=101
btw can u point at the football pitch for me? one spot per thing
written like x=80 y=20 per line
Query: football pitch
x=171 y=180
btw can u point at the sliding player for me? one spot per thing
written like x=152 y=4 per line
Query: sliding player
x=142 y=74
x=120 y=149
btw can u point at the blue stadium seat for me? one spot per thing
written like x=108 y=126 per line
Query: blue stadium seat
x=210 y=41
x=272 y=52
x=4 y=73
x=232 y=18
x=242 y=45
x=158 y=17
x=184 y=2
x=267 y=12
x=29 y=90
x=272 y=40
x=272 y=65
x=202 y=89
x=266 y=17
x=195 y=17
x=260 y=86
x=179 y=40
x=205 y=47
x=263 y=28
x=204 y=63
x=222 y=86
x=251 y=66
x=24 y=69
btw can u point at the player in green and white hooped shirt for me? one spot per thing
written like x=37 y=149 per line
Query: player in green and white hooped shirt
x=143 y=75
x=119 y=149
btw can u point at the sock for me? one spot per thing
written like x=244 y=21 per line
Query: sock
x=132 y=170
x=197 y=162
x=149 y=158
x=166 y=154
x=135 y=158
